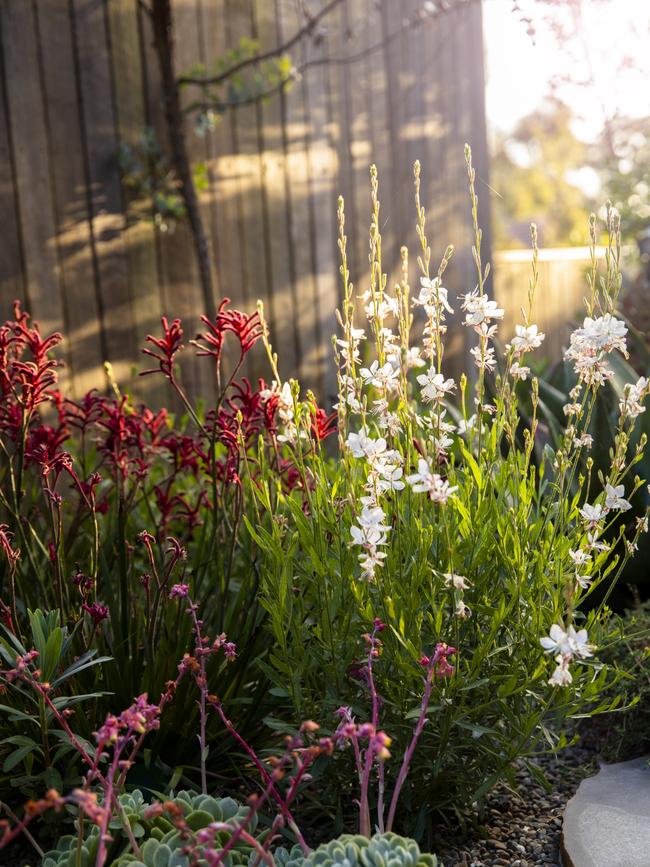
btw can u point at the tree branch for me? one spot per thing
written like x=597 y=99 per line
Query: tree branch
x=267 y=55
x=297 y=71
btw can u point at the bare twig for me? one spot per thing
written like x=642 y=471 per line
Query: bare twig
x=266 y=55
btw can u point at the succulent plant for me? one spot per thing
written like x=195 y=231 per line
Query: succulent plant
x=349 y=850
x=160 y=842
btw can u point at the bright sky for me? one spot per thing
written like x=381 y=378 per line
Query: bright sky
x=519 y=71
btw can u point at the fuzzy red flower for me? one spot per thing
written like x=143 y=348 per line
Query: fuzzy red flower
x=42 y=449
x=96 y=611
x=26 y=369
x=168 y=346
x=247 y=329
x=322 y=424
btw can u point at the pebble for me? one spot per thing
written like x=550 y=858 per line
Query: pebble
x=520 y=830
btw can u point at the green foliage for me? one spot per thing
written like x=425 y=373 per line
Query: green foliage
x=153 y=186
x=626 y=734
x=36 y=754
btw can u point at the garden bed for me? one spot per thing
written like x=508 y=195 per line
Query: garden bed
x=356 y=620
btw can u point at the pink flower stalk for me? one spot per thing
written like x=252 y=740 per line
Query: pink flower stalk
x=437 y=666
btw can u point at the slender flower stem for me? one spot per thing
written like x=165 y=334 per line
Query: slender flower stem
x=408 y=755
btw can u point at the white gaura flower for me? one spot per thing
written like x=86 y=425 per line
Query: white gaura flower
x=372 y=517
x=462 y=610
x=518 y=371
x=585 y=440
x=458 y=582
x=589 y=345
x=390 y=421
x=425 y=481
x=465 y=426
x=593 y=515
x=480 y=309
x=606 y=332
x=642 y=524
x=367 y=537
x=388 y=306
x=594 y=545
x=410 y=358
x=285 y=402
x=382 y=376
x=291 y=434
x=561 y=676
x=441 y=443
x=369 y=563
x=526 y=338
x=584 y=581
x=432 y=295
x=614 y=498
x=387 y=475
x=434 y=385
x=630 y=405
x=557 y=639
x=579 y=558
x=485 y=360
x=350 y=346
x=569 y=643
x=348 y=394
x=363 y=446
x=580 y=643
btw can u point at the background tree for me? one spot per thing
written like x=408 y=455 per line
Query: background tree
x=534 y=175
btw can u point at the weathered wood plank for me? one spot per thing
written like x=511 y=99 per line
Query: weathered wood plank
x=322 y=177
x=222 y=174
x=139 y=237
x=246 y=147
x=74 y=241
x=12 y=271
x=271 y=117
x=104 y=187
x=31 y=163
x=299 y=211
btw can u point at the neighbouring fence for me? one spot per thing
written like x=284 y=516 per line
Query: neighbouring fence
x=560 y=296
x=79 y=77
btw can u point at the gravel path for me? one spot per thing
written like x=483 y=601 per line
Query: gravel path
x=522 y=828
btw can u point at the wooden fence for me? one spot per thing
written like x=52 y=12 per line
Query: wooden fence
x=79 y=77
x=559 y=300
